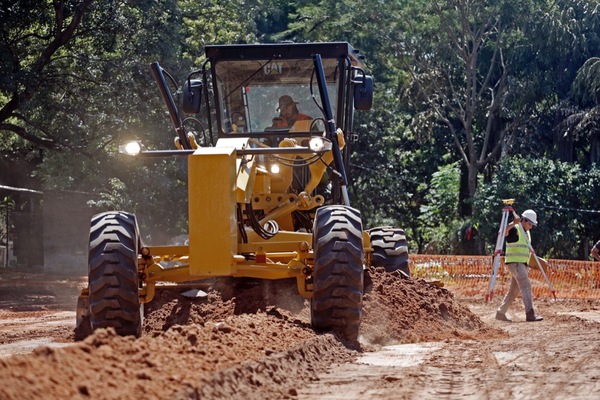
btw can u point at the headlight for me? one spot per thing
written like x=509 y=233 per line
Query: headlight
x=319 y=144
x=274 y=168
x=132 y=148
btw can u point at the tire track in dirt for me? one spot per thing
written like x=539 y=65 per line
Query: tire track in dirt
x=553 y=359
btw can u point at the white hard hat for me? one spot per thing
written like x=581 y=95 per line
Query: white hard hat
x=531 y=216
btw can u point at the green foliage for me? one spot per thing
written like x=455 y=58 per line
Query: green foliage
x=66 y=105
x=445 y=239
x=558 y=37
x=154 y=190
x=216 y=22
x=579 y=124
x=116 y=197
x=553 y=62
x=454 y=52
x=586 y=85
x=97 y=93
x=443 y=229
x=384 y=168
x=442 y=196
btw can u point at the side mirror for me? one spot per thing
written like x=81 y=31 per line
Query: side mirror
x=192 y=96
x=363 y=92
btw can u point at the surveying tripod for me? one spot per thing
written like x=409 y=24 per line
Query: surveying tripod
x=506 y=211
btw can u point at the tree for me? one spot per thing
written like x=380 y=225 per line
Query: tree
x=455 y=80
x=486 y=75
x=388 y=164
x=384 y=179
x=551 y=70
x=455 y=54
x=34 y=37
x=581 y=122
x=77 y=83
x=439 y=212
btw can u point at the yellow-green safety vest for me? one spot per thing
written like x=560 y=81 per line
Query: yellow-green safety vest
x=518 y=252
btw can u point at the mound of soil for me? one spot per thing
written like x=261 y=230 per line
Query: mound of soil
x=397 y=311
x=245 y=339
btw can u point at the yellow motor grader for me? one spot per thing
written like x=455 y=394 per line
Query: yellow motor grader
x=267 y=188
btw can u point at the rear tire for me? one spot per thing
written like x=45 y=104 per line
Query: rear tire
x=113 y=273
x=390 y=249
x=336 y=304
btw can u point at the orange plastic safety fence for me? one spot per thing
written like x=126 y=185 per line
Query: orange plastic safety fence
x=470 y=275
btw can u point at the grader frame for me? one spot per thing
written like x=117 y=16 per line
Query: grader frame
x=263 y=201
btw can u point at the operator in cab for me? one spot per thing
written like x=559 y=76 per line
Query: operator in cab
x=288 y=113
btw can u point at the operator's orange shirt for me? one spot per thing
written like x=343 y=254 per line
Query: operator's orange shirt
x=281 y=122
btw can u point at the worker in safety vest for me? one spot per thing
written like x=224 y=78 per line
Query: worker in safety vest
x=517 y=256
x=288 y=113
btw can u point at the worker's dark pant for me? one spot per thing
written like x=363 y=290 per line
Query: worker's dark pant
x=518 y=283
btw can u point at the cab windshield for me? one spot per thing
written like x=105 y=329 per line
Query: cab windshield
x=261 y=96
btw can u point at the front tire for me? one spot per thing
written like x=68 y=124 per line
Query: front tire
x=336 y=304
x=113 y=273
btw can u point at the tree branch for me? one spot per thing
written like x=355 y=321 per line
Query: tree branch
x=26 y=135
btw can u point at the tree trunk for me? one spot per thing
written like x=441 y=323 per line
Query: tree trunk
x=464 y=207
x=468 y=187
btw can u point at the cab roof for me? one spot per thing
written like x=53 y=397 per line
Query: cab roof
x=231 y=52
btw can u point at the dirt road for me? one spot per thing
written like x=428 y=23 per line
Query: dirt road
x=254 y=342
x=553 y=359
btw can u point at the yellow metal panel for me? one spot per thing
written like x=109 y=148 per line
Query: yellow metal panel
x=212 y=212
x=245 y=179
x=245 y=168
x=262 y=182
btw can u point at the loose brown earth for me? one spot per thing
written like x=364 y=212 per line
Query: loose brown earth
x=252 y=340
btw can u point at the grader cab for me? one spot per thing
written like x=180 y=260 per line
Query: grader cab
x=267 y=146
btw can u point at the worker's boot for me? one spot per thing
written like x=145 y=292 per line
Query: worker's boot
x=531 y=317
x=502 y=317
